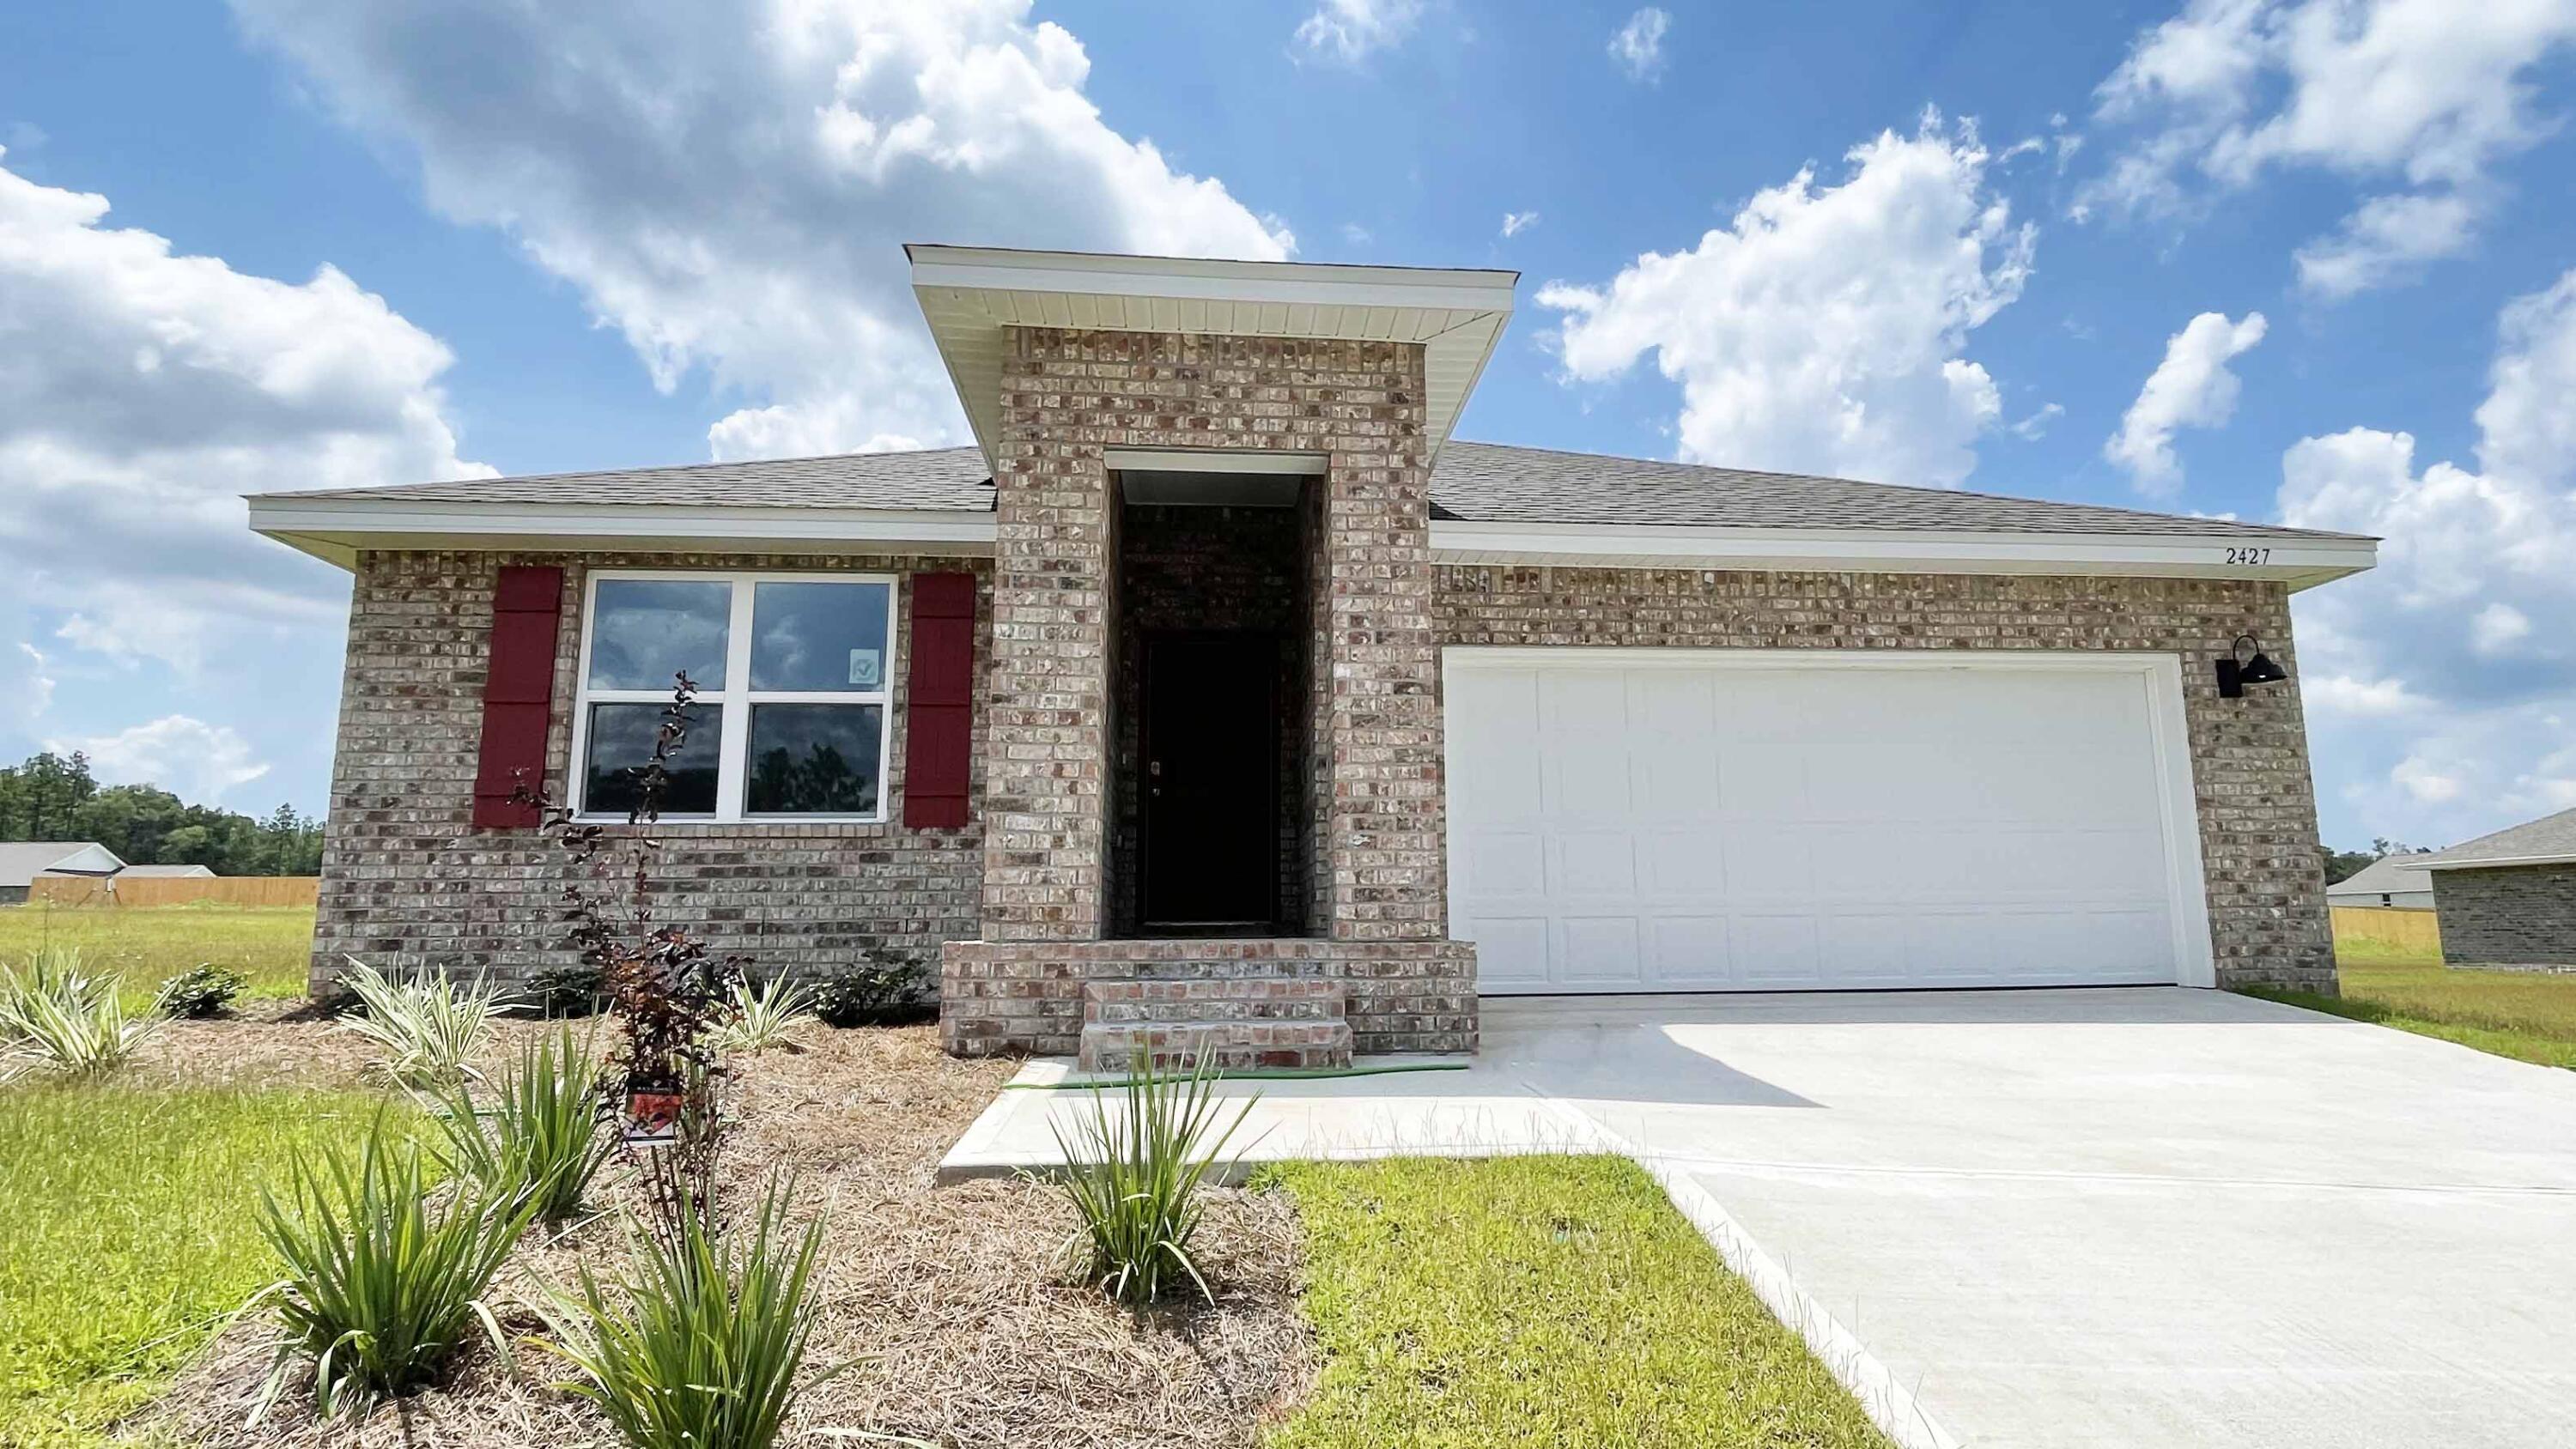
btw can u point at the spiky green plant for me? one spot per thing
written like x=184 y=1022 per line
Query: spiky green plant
x=380 y=1286
x=430 y=1027
x=699 y=1344
x=537 y=1136
x=55 y=1016
x=1135 y=1160
x=762 y=1017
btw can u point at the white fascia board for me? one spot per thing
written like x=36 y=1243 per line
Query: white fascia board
x=336 y=529
x=1206 y=279
x=2494 y=861
x=2299 y=562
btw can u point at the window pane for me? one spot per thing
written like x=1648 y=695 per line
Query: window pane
x=814 y=759
x=818 y=636
x=621 y=741
x=647 y=630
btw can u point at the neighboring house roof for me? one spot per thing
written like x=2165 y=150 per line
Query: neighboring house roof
x=23 y=860
x=2388 y=875
x=165 y=872
x=1471 y=482
x=2549 y=840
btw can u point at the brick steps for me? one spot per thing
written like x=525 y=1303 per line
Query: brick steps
x=1239 y=1022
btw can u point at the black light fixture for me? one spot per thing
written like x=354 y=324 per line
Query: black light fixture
x=2236 y=671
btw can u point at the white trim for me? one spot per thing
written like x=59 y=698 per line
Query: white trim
x=336 y=528
x=2195 y=962
x=735 y=699
x=1214 y=460
x=2485 y=862
x=2300 y=562
x=1108 y=274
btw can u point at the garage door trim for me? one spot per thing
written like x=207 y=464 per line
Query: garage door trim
x=2160 y=674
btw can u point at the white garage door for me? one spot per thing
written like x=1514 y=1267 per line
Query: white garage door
x=1699 y=820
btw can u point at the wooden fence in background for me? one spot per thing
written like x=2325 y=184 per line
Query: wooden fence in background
x=2388 y=928
x=220 y=890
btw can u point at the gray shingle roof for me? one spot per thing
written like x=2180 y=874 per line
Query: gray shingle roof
x=2387 y=875
x=23 y=860
x=2550 y=835
x=1473 y=482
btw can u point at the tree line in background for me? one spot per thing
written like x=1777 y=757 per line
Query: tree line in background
x=2343 y=865
x=54 y=797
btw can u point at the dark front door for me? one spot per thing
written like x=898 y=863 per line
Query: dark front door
x=1211 y=779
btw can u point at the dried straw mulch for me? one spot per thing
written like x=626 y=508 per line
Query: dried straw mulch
x=952 y=1305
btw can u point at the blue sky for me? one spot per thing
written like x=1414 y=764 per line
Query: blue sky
x=2302 y=260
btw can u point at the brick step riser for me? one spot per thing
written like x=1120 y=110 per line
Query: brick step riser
x=1210 y=1012
x=1231 y=1046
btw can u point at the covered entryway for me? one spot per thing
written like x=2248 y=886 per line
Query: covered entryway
x=1711 y=820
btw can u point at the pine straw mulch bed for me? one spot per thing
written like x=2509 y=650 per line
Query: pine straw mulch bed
x=951 y=1304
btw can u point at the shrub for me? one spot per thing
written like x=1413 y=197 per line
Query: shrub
x=540 y=1141
x=702 y=1349
x=762 y=1017
x=55 y=1016
x=430 y=1027
x=885 y=991
x=566 y=991
x=380 y=1286
x=202 y=990
x=1134 y=1174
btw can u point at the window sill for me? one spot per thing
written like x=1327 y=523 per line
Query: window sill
x=746 y=822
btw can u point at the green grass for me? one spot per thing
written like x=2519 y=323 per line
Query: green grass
x=127 y=1228
x=146 y=945
x=1538 y=1300
x=2527 y=1015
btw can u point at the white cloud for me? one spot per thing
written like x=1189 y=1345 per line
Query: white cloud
x=2035 y=427
x=1822 y=330
x=2190 y=388
x=2472 y=560
x=1349 y=30
x=1639 y=44
x=730 y=190
x=2387 y=237
x=194 y=760
x=1356 y=234
x=142 y=392
x=1516 y=222
x=2427 y=92
x=26 y=684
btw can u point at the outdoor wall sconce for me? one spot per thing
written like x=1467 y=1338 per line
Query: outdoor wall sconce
x=2235 y=672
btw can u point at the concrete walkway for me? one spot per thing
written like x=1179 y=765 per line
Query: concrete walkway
x=2042 y=1218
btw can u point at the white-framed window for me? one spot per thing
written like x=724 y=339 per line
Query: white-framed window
x=791 y=719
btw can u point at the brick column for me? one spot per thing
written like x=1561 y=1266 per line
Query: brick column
x=1383 y=827
x=1046 y=758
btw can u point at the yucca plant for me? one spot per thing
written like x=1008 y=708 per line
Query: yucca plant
x=538 y=1138
x=430 y=1027
x=57 y=1017
x=381 y=1286
x=1134 y=1167
x=762 y=1017
x=699 y=1345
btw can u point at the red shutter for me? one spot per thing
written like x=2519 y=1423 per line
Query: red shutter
x=518 y=694
x=939 y=701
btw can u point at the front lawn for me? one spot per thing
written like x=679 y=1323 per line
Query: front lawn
x=149 y=944
x=2527 y=1015
x=129 y=1232
x=1538 y=1300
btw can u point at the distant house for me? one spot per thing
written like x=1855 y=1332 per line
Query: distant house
x=22 y=861
x=2391 y=880
x=2509 y=899
x=166 y=872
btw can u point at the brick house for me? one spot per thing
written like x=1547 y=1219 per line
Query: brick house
x=2509 y=899
x=1217 y=684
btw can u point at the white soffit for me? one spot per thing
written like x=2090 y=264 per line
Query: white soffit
x=970 y=294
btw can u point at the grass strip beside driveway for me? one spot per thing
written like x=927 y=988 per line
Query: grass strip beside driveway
x=1538 y=1300
x=2527 y=1015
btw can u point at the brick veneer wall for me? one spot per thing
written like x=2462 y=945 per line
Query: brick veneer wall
x=1198 y=568
x=2249 y=756
x=2522 y=915
x=408 y=881
x=1068 y=397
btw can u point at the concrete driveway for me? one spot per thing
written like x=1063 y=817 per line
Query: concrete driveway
x=2143 y=1216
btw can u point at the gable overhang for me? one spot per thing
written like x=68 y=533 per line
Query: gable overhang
x=337 y=530
x=970 y=296
x=2504 y=862
x=2299 y=562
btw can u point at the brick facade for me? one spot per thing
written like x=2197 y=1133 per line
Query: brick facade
x=2249 y=756
x=407 y=881
x=2523 y=915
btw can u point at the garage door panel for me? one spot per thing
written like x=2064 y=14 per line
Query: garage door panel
x=1624 y=819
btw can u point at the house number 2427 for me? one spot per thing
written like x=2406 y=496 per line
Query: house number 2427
x=2249 y=555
